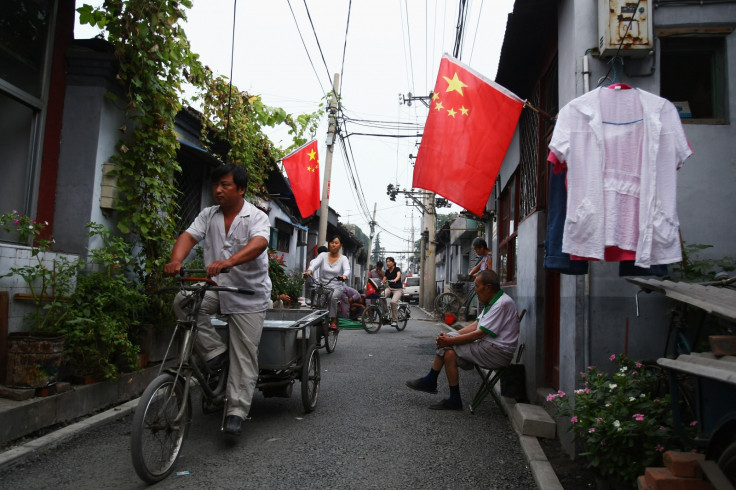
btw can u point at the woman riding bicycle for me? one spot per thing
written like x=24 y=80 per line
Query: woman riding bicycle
x=332 y=264
x=395 y=289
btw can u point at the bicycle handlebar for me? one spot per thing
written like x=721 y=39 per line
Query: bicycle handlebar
x=209 y=283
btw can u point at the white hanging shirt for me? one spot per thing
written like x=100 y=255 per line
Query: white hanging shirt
x=622 y=149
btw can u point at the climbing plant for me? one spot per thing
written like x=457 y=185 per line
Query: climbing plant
x=155 y=63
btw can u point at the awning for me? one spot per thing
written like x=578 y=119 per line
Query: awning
x=717 y=301
x=199 y=153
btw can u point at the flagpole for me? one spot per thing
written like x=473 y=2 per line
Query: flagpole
x=331 y=131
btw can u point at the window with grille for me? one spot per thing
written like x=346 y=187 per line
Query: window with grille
x=529 y=164
x=508 y=210
x=189 y=201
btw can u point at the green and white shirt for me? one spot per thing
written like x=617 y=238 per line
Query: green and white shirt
x=499 y=320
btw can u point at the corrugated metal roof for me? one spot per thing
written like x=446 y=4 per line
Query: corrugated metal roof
x=717 y=301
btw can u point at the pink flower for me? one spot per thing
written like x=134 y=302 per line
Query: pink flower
x=114 y=266
x=693 y=423
x=662 y=427
x=561 y=393
x=612 y=358
x=16 y=222
x=608 y=405
x=659 y=448
x=591 y=430
x=552 y=396
x=638 y=365
x=574 y=420
x=639 y=417
x=598 y=419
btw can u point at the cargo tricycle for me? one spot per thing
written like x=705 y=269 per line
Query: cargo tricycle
x=287 y=352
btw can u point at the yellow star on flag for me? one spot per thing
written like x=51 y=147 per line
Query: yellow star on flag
x=464 y=110
x=312 y=154
x=435 y=95
x=455 y=84
x=438 y=106
x=451 y=112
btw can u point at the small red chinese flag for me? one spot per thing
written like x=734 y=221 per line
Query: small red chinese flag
x=302 y=167
x=469 y=128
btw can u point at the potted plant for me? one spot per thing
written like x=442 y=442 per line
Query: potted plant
x=622 y=421
x=103 y=311
x=286 y=286
x=34 y=355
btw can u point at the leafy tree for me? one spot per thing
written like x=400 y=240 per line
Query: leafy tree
x=377 y=252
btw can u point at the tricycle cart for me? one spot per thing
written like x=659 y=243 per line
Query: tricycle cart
x=288 y=351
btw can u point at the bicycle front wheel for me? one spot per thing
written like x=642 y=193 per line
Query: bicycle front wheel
x=330 y=335
x=403 y=317
x=447 y=303
x=157 y=436
x=371 y=319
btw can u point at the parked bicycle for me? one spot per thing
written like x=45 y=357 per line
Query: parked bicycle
x=320 y=297
x=456 y=303
x=379 y=314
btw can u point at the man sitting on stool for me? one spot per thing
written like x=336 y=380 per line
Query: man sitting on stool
x=490 y=342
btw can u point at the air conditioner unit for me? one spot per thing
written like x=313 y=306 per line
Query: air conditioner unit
x=626 y=20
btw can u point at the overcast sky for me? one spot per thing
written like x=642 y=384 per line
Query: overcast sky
x=392 y=47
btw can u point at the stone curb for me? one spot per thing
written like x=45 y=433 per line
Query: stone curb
x=19 y=454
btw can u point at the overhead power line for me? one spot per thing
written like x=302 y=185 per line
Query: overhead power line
x=317 y=39
x=307 y=50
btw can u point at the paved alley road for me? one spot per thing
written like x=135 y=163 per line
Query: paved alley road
x=368 y=431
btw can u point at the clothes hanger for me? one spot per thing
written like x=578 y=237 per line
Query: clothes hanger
x=620 y=86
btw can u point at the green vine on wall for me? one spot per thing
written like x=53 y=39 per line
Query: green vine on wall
x=155 y=62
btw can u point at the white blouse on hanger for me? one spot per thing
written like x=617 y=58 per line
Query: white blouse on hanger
x=622 y=149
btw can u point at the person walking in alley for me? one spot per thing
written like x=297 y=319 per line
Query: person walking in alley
x=490 y=341
x=235 y=236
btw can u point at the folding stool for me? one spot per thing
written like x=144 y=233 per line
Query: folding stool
x=489 y=377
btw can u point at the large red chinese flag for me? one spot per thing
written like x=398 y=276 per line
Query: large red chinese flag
x=302 y=167
x=469 y=128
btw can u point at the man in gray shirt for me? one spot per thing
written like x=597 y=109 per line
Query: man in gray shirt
x=235 y=236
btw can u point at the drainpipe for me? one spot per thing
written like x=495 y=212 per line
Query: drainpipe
x=586 y=312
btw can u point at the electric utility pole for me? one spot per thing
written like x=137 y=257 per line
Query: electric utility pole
x=429 y=272
x=331 y=134
x=370 y=243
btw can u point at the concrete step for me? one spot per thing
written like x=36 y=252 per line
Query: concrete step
x=533 y=420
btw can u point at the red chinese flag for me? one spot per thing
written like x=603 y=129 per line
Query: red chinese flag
x=302 y=167
x=468 y=130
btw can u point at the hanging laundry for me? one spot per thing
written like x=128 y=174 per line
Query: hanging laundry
x=554 y=259
x=622 y=149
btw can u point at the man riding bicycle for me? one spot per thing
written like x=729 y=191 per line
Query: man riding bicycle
x=235 y=236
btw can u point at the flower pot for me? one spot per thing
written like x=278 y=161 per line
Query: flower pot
x=34 y=359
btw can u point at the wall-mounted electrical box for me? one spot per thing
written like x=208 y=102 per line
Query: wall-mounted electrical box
x=626 y=20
